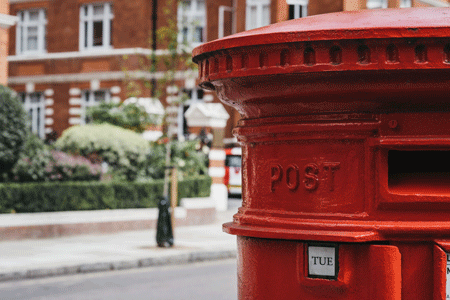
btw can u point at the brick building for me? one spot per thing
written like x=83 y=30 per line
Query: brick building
x=67 y=55
x=6 y=21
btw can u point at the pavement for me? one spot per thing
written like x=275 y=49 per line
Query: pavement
x=37 y=258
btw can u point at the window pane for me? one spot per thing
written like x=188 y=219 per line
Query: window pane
x=33 y=15
x=201 y=6
x=38 y=122
x=405 y=3
x=253 y=17
x=85 y=10
x=22 y=39
x=98 y=33
x=30 y=117
x=98 y=10
x=35 y=98
x=291 y=12
x=85 y=34
x=110 y=32
x=266 y=15
x=198 y=37
x=32 y=43
x=186 y=5
x=185 y=34
x=99 y=96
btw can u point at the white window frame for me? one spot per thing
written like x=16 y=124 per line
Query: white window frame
x=36 y=112
x=23 y=24
x=89 y=101
x=191 y=17
x=184 y=106
x=106 y=18
x=259 y=5
x=299 y=13
x=374 y=4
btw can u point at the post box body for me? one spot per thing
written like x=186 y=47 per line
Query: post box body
x=346 y=154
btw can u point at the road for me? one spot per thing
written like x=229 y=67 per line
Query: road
x=210 y=280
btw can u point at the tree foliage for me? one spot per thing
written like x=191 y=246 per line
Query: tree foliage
x=129 y=116
x=13 y=129
x=185 y=156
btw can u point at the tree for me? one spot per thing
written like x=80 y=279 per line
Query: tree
x=129 y=116
x=175 y=58
x=13 y=131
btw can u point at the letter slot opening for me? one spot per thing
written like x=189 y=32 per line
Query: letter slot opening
x=419 y=172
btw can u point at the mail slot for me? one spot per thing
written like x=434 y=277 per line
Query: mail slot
x=345 y=136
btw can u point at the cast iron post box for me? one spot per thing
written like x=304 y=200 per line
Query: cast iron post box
x=345 y=134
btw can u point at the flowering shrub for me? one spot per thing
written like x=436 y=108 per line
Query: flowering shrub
x=124 y=150
x=66 y=167
x=38 y=163
x=33 y=161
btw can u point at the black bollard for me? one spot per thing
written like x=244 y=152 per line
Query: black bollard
x=164 y=235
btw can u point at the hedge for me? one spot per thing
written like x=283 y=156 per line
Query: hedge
x=66 y=196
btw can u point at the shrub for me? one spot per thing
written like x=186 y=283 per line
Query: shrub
x=37 y=163
x=129 y=116
x=13 y=129
x=33 y=162
x=65 y=167
x=184 y=155
x=124 y=150
x=66 y=196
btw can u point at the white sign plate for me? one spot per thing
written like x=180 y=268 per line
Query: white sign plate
x=322 y=261
x=447 y=271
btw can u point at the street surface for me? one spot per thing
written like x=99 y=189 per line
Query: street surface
x=210 y=281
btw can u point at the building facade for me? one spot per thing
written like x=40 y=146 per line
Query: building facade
x=68 y=55
x=6 y=21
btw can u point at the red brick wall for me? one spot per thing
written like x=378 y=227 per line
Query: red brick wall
x=212 y=20
x=325 y=6
x=64 y=18
x=61 y=106
x=136 y=14
x=63 y=26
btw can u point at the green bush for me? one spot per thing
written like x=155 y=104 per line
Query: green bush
x=124 y=150
x=38 y=163
x=13 y=129
x=33 y=162
x=128 y=116
x=184 y=156
x=67 y=196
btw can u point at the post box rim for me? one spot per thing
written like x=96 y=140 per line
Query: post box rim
x=353 y=25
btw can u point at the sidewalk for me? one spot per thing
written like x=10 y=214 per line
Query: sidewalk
x=33 y=258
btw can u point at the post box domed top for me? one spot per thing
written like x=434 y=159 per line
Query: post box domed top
x=367 y=60
x=364 y=24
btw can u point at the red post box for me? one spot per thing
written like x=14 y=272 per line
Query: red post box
x=345 y=137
